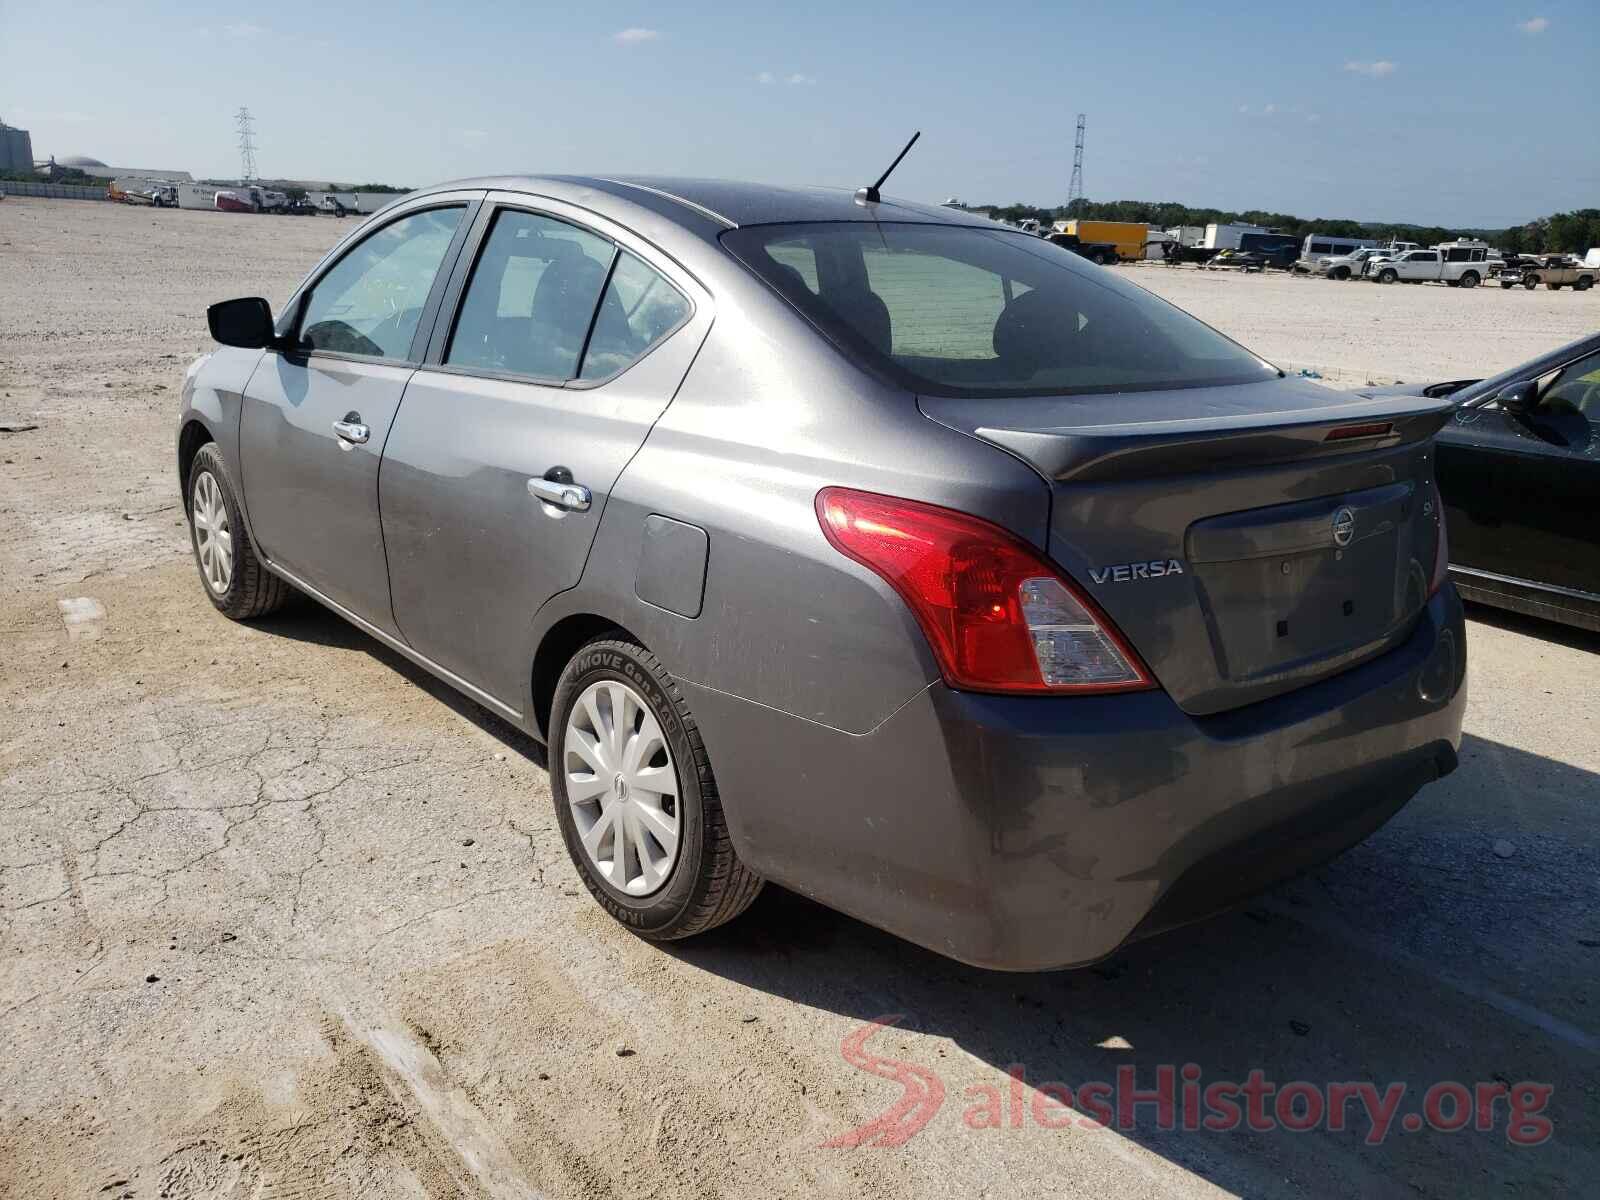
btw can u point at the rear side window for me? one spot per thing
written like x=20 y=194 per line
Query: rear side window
x=969 y=311
x=370 y=301
x=640 y=308
x=531 y=299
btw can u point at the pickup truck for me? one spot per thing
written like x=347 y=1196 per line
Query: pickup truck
x=1344 y=266
x=1553 y=270
x=1096 y=252
x=1455 y=265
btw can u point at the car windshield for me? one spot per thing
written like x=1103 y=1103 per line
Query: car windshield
x=952 y=310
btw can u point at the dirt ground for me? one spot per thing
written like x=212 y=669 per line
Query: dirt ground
x=281 y=916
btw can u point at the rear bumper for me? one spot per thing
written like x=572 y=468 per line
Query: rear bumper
x=1028 y=833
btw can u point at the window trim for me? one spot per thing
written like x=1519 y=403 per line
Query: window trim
x=621 y=240
x=294 y=312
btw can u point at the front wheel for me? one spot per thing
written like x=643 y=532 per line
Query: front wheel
x=1339 y=273
x=1388 y=276
x=635 y=797
x=1470 y=279
x=1531 y=282
x=235 y=581
x=1583 y=285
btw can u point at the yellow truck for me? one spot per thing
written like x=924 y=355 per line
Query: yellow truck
x=1129 y=237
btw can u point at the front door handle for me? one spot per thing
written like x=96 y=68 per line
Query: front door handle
x=573 y=497
x=351 y=429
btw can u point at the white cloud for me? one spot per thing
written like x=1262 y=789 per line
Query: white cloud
x=798 y=77
x=1375 y=69
x=1270 y=109
x=634 y=35
x=766 y=77
x=474 y=135
x=244 y=29
x=1536 y=25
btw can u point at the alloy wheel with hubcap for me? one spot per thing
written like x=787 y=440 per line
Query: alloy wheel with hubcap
x=213 y=534
x=622 y=788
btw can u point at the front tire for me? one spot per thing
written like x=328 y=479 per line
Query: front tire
x=635 y=797
x=1470 y=279
x=234 y=580
x=1339 y=273
x=1388 y=276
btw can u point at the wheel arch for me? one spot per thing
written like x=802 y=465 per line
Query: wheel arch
x=556 y=648
x=194 y=434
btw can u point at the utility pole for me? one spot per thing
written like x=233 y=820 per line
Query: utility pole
x=245 y=124
x=1075 y=189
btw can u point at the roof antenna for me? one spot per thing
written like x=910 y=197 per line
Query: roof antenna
x=870 y=194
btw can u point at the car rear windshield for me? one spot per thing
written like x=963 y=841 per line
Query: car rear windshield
x=951 y=310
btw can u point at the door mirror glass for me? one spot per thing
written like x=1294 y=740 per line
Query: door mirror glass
x=1520 y=398
x=246 y=323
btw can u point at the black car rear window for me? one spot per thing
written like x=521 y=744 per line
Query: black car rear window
x=951 y=310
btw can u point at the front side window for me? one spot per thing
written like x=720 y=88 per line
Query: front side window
x=969 y=311
x=640 y=308
x=531 y=299
x=370 y=301
x=1577 y=388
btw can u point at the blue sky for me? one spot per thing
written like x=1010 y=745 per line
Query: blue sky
x=1478 y=113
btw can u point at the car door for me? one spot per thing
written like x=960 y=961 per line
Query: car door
x=1420 y=264
x=1521 y=491
x=315 y=415
x=566 y=339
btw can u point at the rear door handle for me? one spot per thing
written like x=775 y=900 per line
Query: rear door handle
x=352 y=430
x=573 y=497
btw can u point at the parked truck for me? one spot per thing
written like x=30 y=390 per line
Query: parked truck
x=1129 y=237
x=1555 y=271
x=1097 y=252
x=1457 y=264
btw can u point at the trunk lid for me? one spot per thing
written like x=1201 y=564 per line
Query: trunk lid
x=1246 y=540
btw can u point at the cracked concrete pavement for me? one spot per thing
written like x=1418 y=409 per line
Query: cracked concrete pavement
x=282 y=916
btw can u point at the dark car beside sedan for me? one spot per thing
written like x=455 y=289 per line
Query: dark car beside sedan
x=1519 y=472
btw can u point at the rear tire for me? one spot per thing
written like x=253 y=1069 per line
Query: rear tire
x=1506 y=286
x=1470 y=279
x=234 y=580
x=706 y=884
x=1339 y=273
x=1583 y=285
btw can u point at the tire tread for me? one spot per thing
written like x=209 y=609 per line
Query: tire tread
x=729 y=886
x=258 y=591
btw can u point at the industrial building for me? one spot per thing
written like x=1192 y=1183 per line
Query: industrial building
x=16 y=149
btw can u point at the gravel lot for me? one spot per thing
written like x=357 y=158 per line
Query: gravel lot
x=281 y=916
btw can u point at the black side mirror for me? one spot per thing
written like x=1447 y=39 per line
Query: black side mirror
x=1520 y=399
x=246 y=323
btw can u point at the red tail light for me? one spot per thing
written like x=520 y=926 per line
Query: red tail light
x=998 y=617
x=1441 y=556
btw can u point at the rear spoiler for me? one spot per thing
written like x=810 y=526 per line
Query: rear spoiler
x=1168 y=443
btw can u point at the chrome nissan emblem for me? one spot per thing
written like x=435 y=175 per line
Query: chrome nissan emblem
x=1344 y=527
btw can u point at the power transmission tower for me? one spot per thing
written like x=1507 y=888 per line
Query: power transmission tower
x=245 y=124
x=1075 y=189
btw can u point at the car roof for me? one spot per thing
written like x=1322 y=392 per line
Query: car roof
x=724 y=203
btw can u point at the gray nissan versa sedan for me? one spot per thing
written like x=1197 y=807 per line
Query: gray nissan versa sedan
x=910 y=562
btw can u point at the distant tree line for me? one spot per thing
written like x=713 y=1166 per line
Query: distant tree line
x=1571 y=232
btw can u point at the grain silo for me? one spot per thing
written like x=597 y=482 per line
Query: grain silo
x=16 y=149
